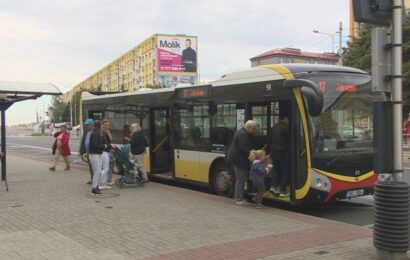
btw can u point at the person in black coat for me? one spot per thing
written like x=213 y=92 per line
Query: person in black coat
x=138 y=144
x=237 y=156
x=97 y=146
x=189 y=57
x=278 y=145
x=85 y=144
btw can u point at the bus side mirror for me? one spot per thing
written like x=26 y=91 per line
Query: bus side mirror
x=310 y=91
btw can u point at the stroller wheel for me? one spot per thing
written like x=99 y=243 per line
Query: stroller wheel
x=119 y=183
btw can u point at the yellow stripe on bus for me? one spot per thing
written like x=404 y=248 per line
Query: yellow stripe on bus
x=346 y=178
x=287 y=74
x=192 y=170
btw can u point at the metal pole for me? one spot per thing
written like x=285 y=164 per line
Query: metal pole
x=396 y=96
x=71 y=111
x=3 y=146
x=75 y=112
x=340 y=44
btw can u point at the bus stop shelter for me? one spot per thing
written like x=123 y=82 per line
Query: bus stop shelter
x=13 y=92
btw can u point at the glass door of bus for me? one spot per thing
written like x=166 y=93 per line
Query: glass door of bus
x=266 y=115
x=160 y=150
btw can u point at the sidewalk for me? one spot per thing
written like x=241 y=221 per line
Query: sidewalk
x=53 y=216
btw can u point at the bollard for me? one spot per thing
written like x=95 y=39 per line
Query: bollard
x=391 y=219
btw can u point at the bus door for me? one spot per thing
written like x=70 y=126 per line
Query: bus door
x=260 y=113
x=160 y=148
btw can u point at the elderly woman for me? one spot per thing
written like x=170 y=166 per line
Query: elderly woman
x=61 y=148
x=138 y=144
x=237 y=156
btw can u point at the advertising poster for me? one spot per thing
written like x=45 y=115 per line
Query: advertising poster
x=240 y=118
x=177 y=54
x=174 y=80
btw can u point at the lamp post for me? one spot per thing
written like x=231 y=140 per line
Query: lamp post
x=328 y=34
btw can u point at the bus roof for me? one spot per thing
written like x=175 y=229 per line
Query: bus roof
x=253 y=75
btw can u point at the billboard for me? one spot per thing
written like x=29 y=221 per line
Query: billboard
x=174 y=80
x=177 y=54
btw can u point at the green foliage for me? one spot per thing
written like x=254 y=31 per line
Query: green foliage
x=61 y=111
x=358 y=51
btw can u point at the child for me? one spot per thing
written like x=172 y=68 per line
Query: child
x=258 y=172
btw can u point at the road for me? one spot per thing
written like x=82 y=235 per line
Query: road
x=20 y=142
x=357 y=211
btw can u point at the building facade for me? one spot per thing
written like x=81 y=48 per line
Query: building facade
x=162 y=60
x=292 y=55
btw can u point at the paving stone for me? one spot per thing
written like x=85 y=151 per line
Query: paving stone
x=53 y=216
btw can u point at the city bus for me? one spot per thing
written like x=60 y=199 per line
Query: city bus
x=189 y=128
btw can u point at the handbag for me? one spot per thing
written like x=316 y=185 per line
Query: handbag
x=54 y=147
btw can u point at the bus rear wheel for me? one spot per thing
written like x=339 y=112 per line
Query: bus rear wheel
x=223 y=180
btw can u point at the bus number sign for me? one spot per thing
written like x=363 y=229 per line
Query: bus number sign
x=193 y=92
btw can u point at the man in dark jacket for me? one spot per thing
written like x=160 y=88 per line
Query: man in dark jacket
x=278 y=145
x=238 y=155
x=139 y=145
x=189 y=57
x=85 y=143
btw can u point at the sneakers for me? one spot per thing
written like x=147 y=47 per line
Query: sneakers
x=259 y=206
x=102 y=187
x=274 y=190
x=242 y=203
x=145 y=181
x=96 y=191
x=53 y=169
x=284 y=194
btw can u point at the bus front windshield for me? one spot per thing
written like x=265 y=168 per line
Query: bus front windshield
x=342 y=135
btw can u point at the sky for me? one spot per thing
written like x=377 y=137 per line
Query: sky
x=64 y=42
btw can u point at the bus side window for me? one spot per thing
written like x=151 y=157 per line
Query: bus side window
x=192 y=126
x=223 y=124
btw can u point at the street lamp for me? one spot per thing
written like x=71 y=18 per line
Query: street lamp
x=331 y=35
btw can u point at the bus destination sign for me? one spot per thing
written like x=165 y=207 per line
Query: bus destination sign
x=193 y=92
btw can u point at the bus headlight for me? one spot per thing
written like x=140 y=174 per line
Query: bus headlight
x=320 y=182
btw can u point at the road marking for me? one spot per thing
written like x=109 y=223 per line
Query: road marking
x=37 y=147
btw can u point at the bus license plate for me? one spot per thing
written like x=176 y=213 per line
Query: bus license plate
x=354 y=193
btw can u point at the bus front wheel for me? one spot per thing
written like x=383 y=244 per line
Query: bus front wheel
x=223 y=180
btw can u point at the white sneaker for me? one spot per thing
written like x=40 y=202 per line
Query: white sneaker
x=107 y=187
x=284 y=194
x=242 y=202
x=274 y=190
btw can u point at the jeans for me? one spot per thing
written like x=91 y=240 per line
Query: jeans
x=260 y=189
x=280 y=170
x=241 y=176
x=105 y=160
x=111 y=168
x=95 y=160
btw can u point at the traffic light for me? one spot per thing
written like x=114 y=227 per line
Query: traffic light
x=378 y=12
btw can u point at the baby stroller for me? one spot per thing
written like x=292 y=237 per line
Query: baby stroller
x=131 y=174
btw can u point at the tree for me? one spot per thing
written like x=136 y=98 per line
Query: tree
x=358 y=55
x=61 y=111
x=358 y=51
